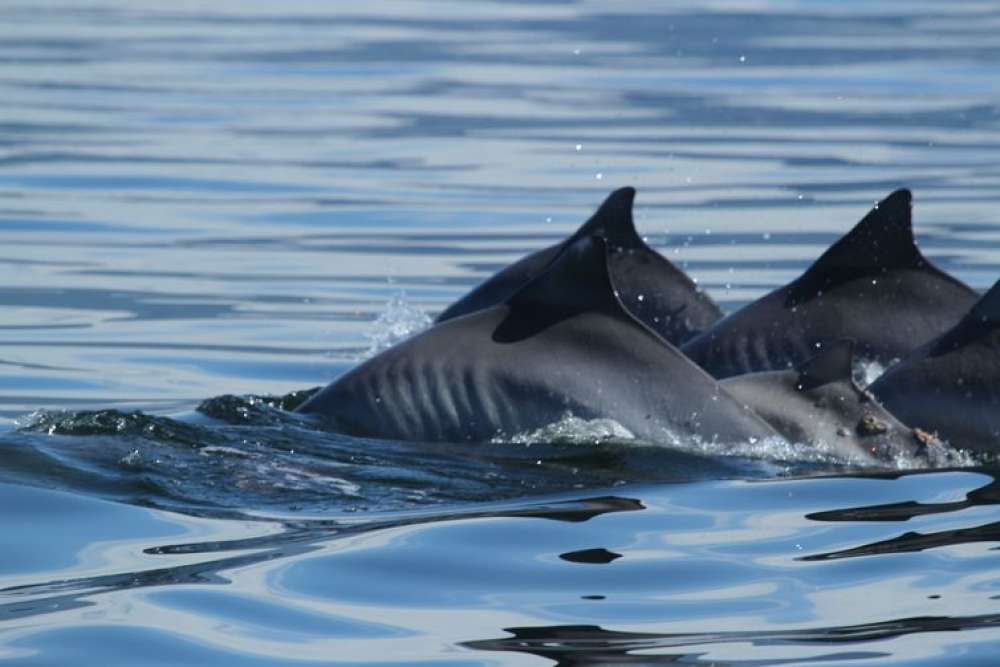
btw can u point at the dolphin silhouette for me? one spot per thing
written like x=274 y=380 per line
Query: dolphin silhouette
x=873 y=286
x=951 y=385
x=562 y=343
x=650 y=287
x=819 y=403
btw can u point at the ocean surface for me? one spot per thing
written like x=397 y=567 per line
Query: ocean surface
x=206 y=208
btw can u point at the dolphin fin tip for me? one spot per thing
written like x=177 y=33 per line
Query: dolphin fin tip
x=832 y=363
x=987 y=309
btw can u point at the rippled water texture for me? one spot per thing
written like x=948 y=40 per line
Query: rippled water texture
x=216 y=204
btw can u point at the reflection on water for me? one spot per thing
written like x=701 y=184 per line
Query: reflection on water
x=219 y=202
x=695 y=572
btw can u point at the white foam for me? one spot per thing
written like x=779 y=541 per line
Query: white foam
x=574 y=430
x=571 y=429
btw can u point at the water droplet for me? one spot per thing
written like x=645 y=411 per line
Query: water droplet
x=641 y=297
x=743 y=59
x=548 y=219
x=576 y=52
x=579 y=147
x=599 y=176
x=766 y=236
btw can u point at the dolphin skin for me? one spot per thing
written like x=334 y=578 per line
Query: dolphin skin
x=651 y=288
x=819 y=403
x=561 y=344
x=951 y=385
x=873 y=286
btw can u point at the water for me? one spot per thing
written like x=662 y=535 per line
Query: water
x=205 y=208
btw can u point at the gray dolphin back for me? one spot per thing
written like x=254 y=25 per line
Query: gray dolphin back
x=818 y=403
x=872 y=286
x=563 y=343
x=652 y=288
x=951 y=385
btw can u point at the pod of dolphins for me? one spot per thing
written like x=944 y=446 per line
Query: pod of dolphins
x=602 y=326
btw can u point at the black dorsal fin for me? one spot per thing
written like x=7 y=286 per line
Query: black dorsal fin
x=612 y=221
x=982 y=318
x=833 y=363
x=985 y=313
x=883 y=240
x=576 y=281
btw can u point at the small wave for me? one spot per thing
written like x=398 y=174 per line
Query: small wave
x=778 y=450
x=398 y=321
x=114 y=423
x=255 y=408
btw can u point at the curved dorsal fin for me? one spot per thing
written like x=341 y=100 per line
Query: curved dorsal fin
x=985 y=313
x=883 y=240
x=576 y=281
x=612 y=221
x=983 y=317
x=831 y=364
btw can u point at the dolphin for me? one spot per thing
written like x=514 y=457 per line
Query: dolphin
x=873 y=286
x=651 y=288
x=819 y=403
x=951 y=385
x=563 y=343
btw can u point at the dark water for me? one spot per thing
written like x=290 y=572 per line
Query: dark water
x=204 y=208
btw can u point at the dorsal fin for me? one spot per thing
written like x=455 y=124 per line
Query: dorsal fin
x=612 y=221
x=831 y=364
x=576 y=281
x=986 y=312
x=983 y=317
x=883 y=240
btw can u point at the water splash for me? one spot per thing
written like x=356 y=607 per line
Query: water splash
x=398 y=321
x=572 y=430
x=866 y=371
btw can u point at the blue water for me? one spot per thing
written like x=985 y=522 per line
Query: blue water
x=205 y=207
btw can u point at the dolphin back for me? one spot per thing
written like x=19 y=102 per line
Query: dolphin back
x=653 y=289
x=951 y=386
x=561 y=344
x=872 y=286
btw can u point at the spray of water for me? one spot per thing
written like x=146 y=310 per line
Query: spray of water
x=398 y=321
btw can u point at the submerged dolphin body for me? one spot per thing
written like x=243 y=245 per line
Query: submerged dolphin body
x=952 y=385
x=872 y=286
x=651 y=288
x=561 y=344
x=818 y=403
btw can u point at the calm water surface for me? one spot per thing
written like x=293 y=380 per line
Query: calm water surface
x=222 y=201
